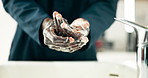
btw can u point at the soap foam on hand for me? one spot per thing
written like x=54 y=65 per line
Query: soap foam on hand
x=61 y=36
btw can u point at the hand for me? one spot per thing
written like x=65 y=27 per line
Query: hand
x=55 y=42
x=58 y=35
x=81 y=25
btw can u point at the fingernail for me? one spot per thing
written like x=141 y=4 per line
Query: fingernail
x=71 y=40
x=84 y=39
x=59 y=16
x=55 y=13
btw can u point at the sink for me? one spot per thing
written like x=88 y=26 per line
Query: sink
x=65 y=70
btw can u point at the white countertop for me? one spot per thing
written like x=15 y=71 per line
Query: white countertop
x=65 y=70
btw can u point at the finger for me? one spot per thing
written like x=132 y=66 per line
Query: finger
x=70 y=31
x=58 y=48
x=81 y=25
x=80 y=22
x=56 y=17
x=66 y=26
x=57 y=21
x=78 y=29
x=57 y=40
x=64 y=20
x=76 y=47
x=47 y=41
x=69 y=47
x=59 y=18
x=50 y=33
x=63 y=40
x=84 y=40
x=85 y=23
x=83 y=32
x=54 y=14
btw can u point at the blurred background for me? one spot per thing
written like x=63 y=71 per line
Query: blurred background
x=116 y=43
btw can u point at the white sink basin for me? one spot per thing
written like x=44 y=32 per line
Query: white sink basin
x=65 y=70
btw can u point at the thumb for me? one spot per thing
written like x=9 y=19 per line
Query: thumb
x=80 y=23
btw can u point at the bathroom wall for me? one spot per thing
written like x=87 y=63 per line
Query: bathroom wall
x=7 y=30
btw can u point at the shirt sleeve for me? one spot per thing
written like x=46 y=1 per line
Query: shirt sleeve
x=29 y=16
x=100 y=15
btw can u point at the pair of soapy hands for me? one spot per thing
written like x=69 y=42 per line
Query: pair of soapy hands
x=59 y=35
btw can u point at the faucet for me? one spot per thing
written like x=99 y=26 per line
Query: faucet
x=142 y=51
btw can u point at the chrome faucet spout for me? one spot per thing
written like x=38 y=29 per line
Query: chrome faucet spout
x=142 y=52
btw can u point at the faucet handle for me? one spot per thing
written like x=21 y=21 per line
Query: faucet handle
x=133 y=24
x=142 y=31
